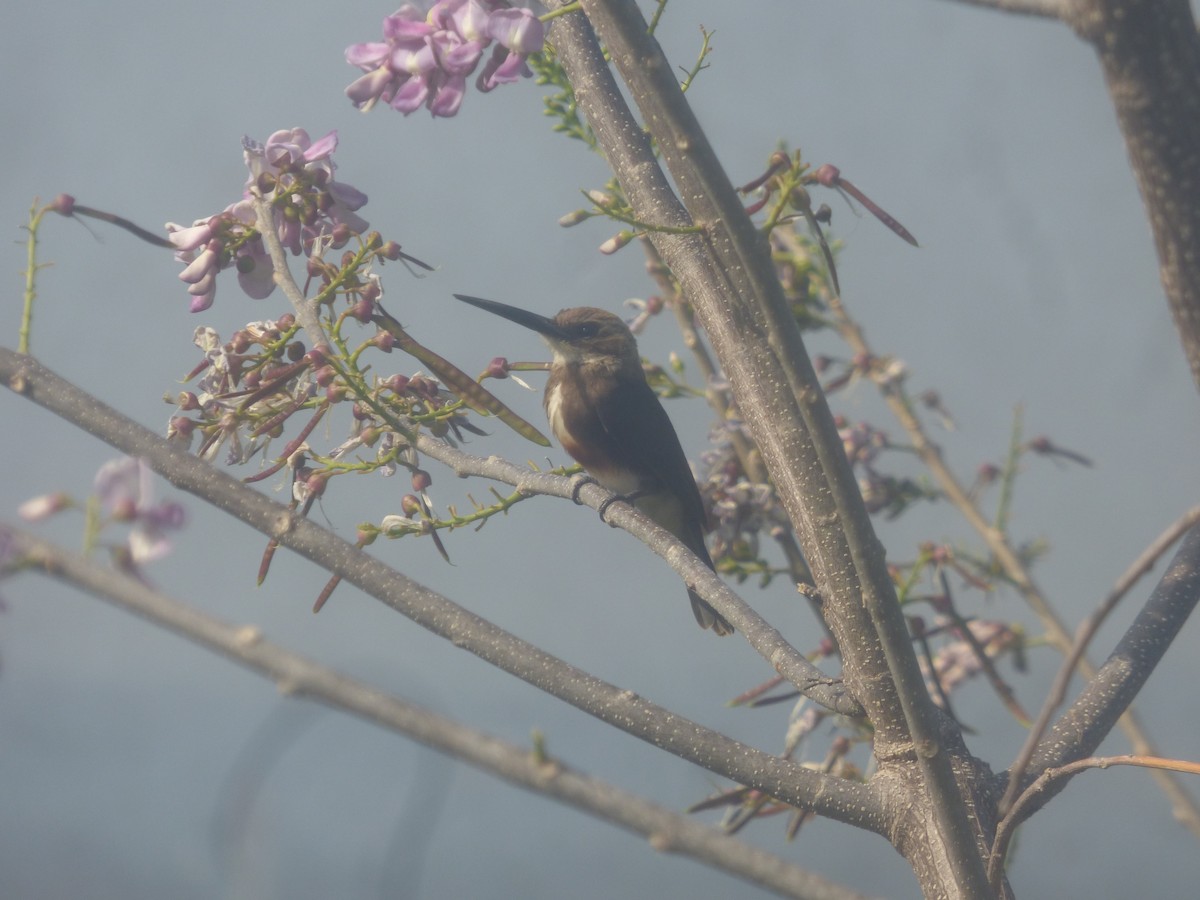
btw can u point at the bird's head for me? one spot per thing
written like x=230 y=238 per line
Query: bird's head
x=581 y=334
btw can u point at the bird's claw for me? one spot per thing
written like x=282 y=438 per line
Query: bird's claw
x=619 y=498
x=603 y=508
x=577 y=482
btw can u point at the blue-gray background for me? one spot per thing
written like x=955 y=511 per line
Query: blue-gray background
x=133 y=765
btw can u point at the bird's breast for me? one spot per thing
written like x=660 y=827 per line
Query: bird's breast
x=577 y=425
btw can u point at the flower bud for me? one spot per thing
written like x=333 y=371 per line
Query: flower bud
x=40 y=508
x=397 y=384
x=63 y=204
x=574 y=218
x=315 y=483
x=616 y=242
x=827 y=175
x=363 y=309
x=180 y=427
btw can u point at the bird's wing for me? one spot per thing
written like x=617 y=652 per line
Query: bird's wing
x=643 y=427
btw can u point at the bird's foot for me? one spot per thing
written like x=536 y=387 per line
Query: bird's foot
x=577 y=483
x=620 y=498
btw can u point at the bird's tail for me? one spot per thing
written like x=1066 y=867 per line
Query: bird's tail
x=704 y=613
x=709 y=617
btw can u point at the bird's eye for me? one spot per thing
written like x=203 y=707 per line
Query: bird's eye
x=588 y=329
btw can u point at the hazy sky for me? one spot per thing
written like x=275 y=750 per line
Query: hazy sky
x=133 y=765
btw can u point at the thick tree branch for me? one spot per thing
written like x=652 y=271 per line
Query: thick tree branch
x=762 y=384
x=297 y=676
x=727 y=274
x=837 y=798
x=1150 y=54
x=1006 y=555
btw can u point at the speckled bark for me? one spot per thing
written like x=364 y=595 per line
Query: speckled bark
x=1150 y=55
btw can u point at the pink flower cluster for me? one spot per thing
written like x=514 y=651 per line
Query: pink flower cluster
x=424 y=59
x=295 y=176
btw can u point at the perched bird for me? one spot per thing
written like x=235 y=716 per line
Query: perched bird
x=604 y=413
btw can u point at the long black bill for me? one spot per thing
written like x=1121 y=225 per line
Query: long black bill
x=531 y=320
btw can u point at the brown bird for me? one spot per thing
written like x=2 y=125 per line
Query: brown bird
x=605 y=414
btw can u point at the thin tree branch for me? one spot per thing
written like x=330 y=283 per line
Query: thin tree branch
x=1087 y=631
x=306 y=312
x=837 y=798
x=297 y=676
x=765 y=638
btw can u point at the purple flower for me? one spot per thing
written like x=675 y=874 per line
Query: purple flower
x=517 y=29
x=295 y=175
x=424 y=60
x=125 y=490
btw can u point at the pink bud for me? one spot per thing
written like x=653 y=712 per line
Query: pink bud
x=63 y=204
x=827 y=175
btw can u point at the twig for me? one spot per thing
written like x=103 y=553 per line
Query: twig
x=306 y=313
x=1007 y=826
